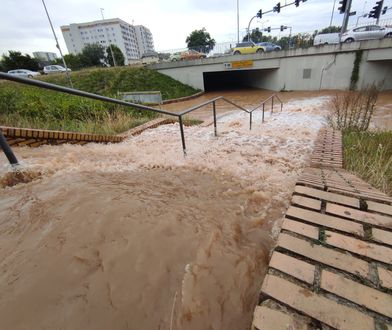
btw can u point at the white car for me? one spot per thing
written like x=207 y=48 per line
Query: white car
x=366 y=33
x=24 y=73
x=55 y=69
x=326 y=39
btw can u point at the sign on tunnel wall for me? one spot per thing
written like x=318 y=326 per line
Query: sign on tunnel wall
x=239 y=64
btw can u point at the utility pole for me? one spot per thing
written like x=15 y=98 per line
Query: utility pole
x=110 y=45
x=238 y=21
x=333 y=9
x=58 y=46
x=346 y=16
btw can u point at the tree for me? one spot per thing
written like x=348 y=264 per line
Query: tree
x=15 y=60
x=330 y=29
x=73 y=62
x=256 y=36
x=118 y=55
x=200 y=40
x=93 y=55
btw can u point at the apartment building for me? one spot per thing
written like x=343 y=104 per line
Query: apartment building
x=109 y=31
x=45 y=56
x=144 y=40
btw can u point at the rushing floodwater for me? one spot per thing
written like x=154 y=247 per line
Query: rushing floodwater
x=135 y=236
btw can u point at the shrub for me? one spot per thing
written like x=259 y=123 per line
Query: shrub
x=353 y=110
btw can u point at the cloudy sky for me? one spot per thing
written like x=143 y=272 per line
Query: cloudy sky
x=24 y=25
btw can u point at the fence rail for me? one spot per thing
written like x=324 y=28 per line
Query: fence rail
x=41 y=84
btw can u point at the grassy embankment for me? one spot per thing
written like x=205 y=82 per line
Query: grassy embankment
x=31 y=107
x=366 y=153
x=369 y=155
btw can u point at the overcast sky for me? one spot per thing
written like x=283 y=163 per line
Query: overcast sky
x=24 y=25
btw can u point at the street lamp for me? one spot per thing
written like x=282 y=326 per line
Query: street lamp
x=110 y=45
x=58 y=46
x=238 y=21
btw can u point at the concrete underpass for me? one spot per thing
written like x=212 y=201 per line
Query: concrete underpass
x=224 y=80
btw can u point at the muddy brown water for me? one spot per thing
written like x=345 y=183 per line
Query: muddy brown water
x=135 y=236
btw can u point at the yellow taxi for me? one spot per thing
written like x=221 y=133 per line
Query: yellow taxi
x=248 y=47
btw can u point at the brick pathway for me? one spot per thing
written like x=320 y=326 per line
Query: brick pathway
x=19 y=137
x=332 y=266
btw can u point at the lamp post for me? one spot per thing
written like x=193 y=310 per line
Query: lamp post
x=58 y=46
x=333 y=9
x=110 y=45
x=238 y=21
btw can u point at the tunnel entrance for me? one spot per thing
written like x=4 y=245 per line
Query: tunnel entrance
x=235 y=79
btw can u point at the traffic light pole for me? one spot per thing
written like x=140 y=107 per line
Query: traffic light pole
x=346 y=17
x=378 y=18
x=249 y=27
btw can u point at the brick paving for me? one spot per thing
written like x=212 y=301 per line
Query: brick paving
x=332 y=265
x=19 y=137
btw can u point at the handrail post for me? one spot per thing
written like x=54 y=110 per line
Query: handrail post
x=250 y=120
x=281 y=106
x=7 y=149
x=272 y=105
x=182 y=134
x=263 y=113
x=214 y=112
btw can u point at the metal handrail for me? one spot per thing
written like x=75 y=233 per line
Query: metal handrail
x=41 y=84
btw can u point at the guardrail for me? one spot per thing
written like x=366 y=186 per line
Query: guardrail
x=41 y=84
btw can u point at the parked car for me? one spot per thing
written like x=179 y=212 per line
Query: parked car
x=269 y=46
x=24 y=73
x=175 y=57
x=366 y=33
x=326 y=39
x=192 y=55
x=248 y=47
x=55 y=69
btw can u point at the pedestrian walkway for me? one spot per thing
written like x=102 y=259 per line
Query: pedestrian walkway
x=332 y=266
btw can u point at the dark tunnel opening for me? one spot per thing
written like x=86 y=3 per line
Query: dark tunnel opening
x=235 y=79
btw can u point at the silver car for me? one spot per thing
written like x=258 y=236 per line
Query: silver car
x=366 y=33
x=23 y=73
x=55 y=69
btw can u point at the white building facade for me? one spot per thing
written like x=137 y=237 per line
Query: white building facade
x=144 y=40
x=105 y=32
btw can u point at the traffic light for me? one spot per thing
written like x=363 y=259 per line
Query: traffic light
x=376 y=11
x=277 y=8
x=297 y=2
x=384 y=10
x=282 y=27
x=343 y=6
x=269 y=29
x=259 y=14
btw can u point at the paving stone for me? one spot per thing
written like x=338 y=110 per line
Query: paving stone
x=370 y=250
x=324 y=255
x=326 y=220
x=382 y=236
x=350 y=201
x=385 y=277
x=293 y=266
x=311 y=203
x=363 y=295
x=301 y=228
x=363 y=216
x=379 y=207
x=317 y=306
x=265 y=318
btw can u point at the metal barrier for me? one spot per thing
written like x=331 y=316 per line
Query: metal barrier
x=179 y=115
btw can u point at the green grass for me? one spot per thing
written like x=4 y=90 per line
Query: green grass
x=369 y=155
x=31 y=107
